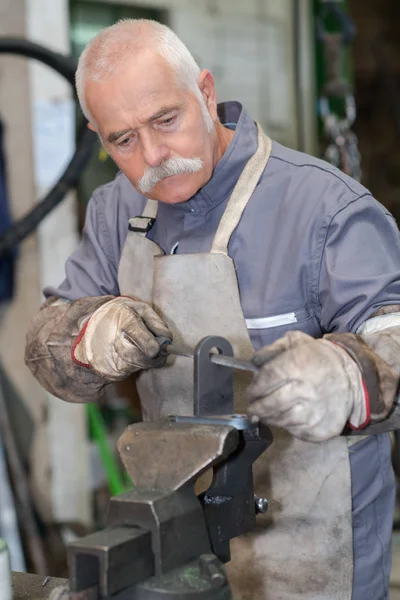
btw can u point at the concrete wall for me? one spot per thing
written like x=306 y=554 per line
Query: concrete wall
x=248 y=46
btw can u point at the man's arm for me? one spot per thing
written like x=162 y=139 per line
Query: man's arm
x=349 y=378
x=85 y=336
x=91 y=281
x=48 y=352
x=343 y=383
x=359 y=290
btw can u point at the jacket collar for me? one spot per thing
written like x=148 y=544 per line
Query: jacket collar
x=230 y=166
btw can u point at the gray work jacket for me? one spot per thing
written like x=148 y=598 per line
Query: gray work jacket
x=313 y=251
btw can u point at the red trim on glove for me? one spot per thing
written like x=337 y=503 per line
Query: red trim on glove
x=368 y=410
x=78 y=339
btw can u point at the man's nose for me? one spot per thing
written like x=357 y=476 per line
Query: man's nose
x=154 y=150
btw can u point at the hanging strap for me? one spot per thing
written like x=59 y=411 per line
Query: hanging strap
x=242 y=193
x=141 y=225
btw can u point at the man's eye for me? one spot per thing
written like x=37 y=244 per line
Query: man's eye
x=169 y=121
x=128 y=140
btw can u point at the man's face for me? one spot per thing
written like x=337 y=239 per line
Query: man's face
x=144 y=119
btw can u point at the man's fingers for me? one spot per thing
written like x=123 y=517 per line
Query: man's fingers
x=139 y=326
x=273 y=401
x=286 y=405
x=290 y=340
x=136 y=336
x=258 y=390
x=152 y=320
x=118 y=341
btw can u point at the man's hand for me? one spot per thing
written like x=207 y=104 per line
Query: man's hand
x=312 y=388
x=120 y=338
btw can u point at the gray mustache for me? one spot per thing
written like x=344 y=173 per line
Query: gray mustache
x=172 y=166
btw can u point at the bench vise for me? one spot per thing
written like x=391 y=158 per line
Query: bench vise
x=162 y=541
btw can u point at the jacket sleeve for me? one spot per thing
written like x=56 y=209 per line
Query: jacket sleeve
x=359 y=297
x=91 y=281
x=49 y=344
x=359 y=270
x=92 y=270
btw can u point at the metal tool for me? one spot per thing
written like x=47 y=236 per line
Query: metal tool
x=213 y=373
x=161 y=540
x=168 y=347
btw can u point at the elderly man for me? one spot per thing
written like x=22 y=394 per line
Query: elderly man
x=211 y=228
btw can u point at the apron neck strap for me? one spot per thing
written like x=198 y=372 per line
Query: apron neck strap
x=242 y=193
x=150 y=209
x=141 y=225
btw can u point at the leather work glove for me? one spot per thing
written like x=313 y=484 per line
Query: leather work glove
x=120 y=338
x=310 y=387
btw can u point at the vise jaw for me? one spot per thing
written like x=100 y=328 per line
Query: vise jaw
x=161 y=540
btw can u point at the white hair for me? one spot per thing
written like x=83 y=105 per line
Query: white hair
x=106 y=54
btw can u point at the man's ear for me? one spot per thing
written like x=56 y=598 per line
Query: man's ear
x=207 y=88
x=90 y=126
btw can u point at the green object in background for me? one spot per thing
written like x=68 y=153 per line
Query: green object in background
x=331 y=25
x=117 y=484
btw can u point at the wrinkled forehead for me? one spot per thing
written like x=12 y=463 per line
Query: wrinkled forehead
x=134 y=91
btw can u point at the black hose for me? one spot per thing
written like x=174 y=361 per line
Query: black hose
x=65 y=66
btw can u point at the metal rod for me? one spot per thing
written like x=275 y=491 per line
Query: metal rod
x=168 y=347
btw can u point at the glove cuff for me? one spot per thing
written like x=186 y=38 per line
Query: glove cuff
x=358 y=350
x=360 y=418
x=78 y=350
x=78 y=353
x=50 y=338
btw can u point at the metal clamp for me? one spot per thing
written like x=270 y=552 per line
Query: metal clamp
x=141 y=224
x=213 y=384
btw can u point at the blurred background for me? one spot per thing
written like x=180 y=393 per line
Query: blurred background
x=321 y=77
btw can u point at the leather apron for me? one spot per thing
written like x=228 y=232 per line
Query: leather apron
x=302 y=548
